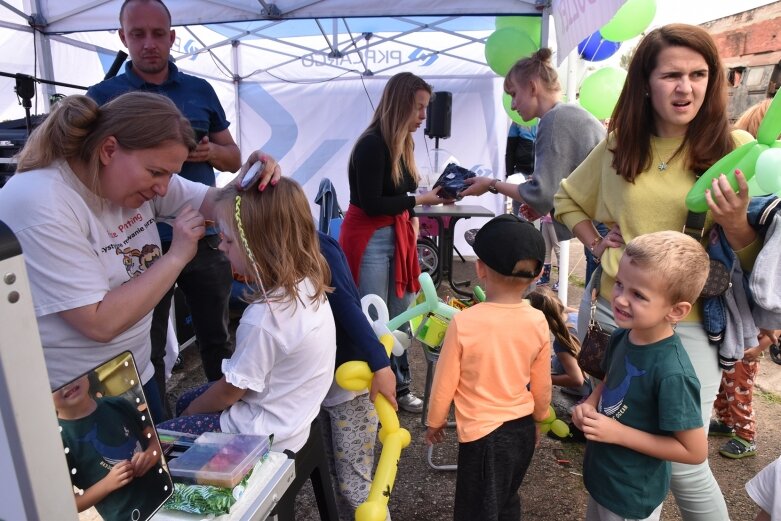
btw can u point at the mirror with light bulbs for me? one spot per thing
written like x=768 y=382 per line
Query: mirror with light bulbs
x=114 y=455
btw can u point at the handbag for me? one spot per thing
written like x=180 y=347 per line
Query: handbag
x=594 y=345
x=719 y=275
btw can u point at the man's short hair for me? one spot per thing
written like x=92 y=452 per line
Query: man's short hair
x=122 y=9
x=676 y=258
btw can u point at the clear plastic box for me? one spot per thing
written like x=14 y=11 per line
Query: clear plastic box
x=219 y=459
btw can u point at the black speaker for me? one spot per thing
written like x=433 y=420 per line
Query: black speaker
x=438 y=115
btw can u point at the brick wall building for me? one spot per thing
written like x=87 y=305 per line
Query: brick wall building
x=750 y=46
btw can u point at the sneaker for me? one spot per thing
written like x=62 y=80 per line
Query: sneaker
x=410 y=403
x=775 y=353
x=737 y=448
x=718 y=428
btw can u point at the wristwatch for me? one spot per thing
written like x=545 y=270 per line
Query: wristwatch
x=492 y=187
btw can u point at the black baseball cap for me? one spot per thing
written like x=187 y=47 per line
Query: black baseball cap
x=505 y=240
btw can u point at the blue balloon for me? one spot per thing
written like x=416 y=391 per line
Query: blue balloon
x=595 y=48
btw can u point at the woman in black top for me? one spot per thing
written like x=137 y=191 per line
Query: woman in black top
x=379 y=232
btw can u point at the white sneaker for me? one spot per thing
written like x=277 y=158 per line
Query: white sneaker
x=410 y=403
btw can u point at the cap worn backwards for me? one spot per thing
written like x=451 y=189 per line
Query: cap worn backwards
x=505 y=240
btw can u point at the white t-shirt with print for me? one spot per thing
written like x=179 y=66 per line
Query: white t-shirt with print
x=77 y=247
x=286 y=363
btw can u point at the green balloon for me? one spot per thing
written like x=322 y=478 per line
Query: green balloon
x=531 y=26
x=768 y=170
x=507 y=103
x=631 y=20
x=559 y=428
x=599 y=92
x=770 y=127
x=754 y=190
x=505 y=47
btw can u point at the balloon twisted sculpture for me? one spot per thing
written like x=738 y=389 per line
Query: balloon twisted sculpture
x=356 y=376
x=761 y=156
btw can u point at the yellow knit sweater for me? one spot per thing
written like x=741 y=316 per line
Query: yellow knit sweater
x=654 y=202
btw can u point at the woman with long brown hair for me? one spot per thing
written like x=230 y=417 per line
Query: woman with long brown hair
x=669 y=126
x=379 y=232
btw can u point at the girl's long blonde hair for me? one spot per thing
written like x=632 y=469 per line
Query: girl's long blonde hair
x=545 y=300
x=77 y=127
x=392 y=117
x=275 y=231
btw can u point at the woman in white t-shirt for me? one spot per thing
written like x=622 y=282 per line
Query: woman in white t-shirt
x=91 y=183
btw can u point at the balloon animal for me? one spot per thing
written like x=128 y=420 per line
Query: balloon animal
x=749 y=159
x=553 y=424
x=357 y=376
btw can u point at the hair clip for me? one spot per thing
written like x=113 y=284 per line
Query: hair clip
x=250 y=256
x=252 y=175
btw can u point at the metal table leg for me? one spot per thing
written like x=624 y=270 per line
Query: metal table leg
x=431 y=360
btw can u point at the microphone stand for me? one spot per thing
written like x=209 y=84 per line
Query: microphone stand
x=25 y=90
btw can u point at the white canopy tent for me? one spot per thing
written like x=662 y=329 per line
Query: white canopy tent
x=297 y=78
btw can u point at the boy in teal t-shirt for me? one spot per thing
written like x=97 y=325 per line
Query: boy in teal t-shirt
x=646 y=412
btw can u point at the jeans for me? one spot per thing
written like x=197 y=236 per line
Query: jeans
x=596 y=512
x=206 y=283
x=696 y=491
x=377 y=276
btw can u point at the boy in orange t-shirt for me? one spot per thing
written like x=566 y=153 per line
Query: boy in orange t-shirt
x=495 y=366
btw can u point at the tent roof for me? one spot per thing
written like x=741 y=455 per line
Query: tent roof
x=90 y=15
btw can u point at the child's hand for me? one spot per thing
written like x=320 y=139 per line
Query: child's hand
x=120 y=475
x=435 y=435
x=580 y=412
x=601 y=428
x=384 y=383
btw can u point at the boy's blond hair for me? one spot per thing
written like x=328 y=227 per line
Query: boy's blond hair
x=677 y=259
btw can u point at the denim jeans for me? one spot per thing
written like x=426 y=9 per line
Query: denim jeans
x=206 y=283
x=377 y=276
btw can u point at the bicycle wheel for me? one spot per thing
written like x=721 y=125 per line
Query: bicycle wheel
x=428 y=256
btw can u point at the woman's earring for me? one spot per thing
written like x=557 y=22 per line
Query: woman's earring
x=646 y=94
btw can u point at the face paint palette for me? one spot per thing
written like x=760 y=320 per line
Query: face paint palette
x=219 y=459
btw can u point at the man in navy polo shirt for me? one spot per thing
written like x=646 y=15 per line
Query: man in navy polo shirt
x=206 y=280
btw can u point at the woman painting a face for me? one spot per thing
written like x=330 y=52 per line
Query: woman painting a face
x=668 y=127
x=90 y=184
